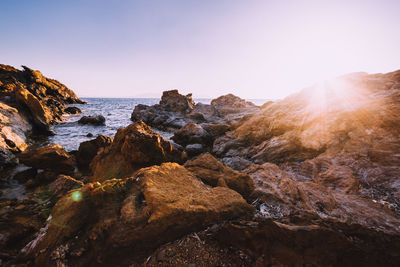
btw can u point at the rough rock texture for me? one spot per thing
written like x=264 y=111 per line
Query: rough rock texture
x=352 y=122
x=175 y=102
x=214 y=173
x=89 y=149
x=12 y=133
x=52 y=157
x=121 y=220
x=192 y=133
x=93 y=120
x=134 y=147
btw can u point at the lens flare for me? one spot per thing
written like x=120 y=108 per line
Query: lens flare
x=76 y=196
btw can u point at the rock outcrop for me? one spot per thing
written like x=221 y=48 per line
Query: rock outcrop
x=176 y=110
x=120 y=220
x=134 y=147
x=29 y=103
x=89 y=149
x=214 y=173
x=52 y=157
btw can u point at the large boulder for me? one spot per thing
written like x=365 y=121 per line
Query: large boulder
x=122 y=220
x=134 y=147
x=52 y=157
x=173 y=101
x=89 y=149
x=215 y=173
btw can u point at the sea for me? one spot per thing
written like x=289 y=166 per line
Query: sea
x=117 y=112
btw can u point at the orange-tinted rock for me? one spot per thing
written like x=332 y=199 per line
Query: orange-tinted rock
x=191 y=133
x=134 y=147
x=173 y=101
x=89 y=149
x=123 y=219
x=339 y=178
x=215 y=173
x=52 y=157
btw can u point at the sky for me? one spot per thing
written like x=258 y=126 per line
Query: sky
x=253 y=49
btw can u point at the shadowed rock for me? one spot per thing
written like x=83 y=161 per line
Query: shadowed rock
x=97 y=120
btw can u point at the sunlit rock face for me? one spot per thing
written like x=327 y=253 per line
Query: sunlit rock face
x=120 y=220
x=134 y=147
x=352 y=121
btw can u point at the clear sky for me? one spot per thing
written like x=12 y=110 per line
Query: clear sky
x=254 y=49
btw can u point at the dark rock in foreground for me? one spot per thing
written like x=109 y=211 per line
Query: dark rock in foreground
x=89 y=149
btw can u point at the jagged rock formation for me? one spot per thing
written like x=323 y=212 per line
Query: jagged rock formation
x=134 y=147
x=175 y=110
x=28 y=101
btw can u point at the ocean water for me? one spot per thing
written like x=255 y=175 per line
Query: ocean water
x=117 y=112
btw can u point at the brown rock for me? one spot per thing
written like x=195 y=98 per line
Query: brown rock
x=173 y=101
x=340 y=178
x=192 y=133
x=216 y=130
x=63 y=184
x=89 y=149
x=215 y=173
x=134 y=147
x=40 y=116
x=126 y=218
x=52 y=157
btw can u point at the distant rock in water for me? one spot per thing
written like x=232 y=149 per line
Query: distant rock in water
x=93 y=120
x=176 y=110
x=29 y=102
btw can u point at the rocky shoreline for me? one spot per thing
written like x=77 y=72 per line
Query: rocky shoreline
x=293 y=182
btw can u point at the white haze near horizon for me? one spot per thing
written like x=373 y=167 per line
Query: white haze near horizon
x=253 y=49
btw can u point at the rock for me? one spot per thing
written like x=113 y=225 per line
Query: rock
x=216 y=130
x=52 y=157
x=214 y=173
x=12 y=129
x=72 y=110
x=97 y=120
x=125 y=222
x=134 y=147
x=89 y=135
x=175 y=102
x=7 y=158
x=25 y=175
x=338 y=178
x=63 y=184
x=89 y=149
x=191 y=133
x=39 y=115
x=237 y=163
x=194 y=149
x=176 y=110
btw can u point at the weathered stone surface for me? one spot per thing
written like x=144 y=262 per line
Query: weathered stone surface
x=159 y=205
x=89 y=149
x=52 y=157
x=39 y=114
x=216 y=130
x=63 y=184
x=192 y=133
x=194 y=149
x=175 y=102
x=215 y=173
x=93 y=120
x=134 y=147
